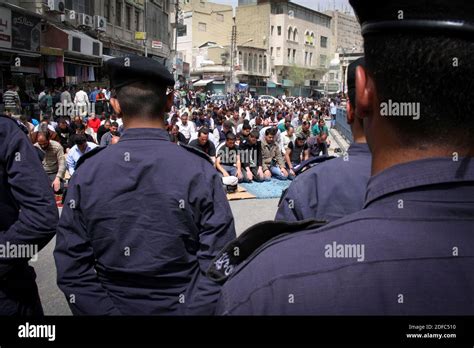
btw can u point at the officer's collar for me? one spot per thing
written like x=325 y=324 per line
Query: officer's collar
x=358 y=148
x=428 y=171
x=144 y=133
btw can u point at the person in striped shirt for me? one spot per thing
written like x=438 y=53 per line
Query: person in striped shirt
x=11 y=99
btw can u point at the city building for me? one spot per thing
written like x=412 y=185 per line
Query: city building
x=297 y=42
x=66 y=41
x=204 y=34
x=347 y=45
x=346 y=31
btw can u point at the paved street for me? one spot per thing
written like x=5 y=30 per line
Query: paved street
x=246 y=213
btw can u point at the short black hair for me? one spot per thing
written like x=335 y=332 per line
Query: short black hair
x=255 y=134
x=81 y=127
x=204 y=131
x=246 y=126
x=269 y=131
x=142 y=99
x=423 y=69
x=230 y=136
x=114 y=124
x=80 y=139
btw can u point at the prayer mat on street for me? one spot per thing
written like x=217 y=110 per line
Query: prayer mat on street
x=267 y=189
x=241 y=193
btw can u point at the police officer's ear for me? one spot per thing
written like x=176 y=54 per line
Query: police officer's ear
x=365 y=95
x=116 y=106
x=350 y=114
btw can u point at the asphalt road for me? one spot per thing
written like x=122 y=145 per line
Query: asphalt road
x=246 y=214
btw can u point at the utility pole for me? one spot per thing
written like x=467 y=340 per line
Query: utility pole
x=144 y=29
x=176 y=19
x=233 y=47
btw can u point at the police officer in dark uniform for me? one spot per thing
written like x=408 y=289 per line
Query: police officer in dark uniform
x=28 y=219
x=410 y=250
x=334 y=188
x=143 y=218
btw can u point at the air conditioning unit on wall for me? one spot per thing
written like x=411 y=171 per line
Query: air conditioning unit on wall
x=86 y=20
x=56 y=6
x=100 y=23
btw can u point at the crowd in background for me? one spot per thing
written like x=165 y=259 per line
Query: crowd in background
x=247 y=138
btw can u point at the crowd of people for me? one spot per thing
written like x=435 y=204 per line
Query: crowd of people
x=250 y=139
x=246 y=138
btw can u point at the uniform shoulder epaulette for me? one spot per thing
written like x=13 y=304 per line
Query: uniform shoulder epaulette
x=311 y=163
x=196 y=152
x=250 y=242
x=18 y=124
x=89 y=154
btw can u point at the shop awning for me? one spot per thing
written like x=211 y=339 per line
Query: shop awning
x=202 y=83
x=219 y=82
x=21 y=53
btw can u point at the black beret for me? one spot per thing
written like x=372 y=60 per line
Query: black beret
x=131 y=69
x=431 y=16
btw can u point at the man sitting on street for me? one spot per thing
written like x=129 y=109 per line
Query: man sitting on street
x=81 y=147
x=272 y=158
x=203 y=144
x=107 y=138
x=296 y=152
x=321 y=132
x=228 y=159
x=251 y=158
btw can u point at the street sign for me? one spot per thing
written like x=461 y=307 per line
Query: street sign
x=140 y=35
x=156 y=44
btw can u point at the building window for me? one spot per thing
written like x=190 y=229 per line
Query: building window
x=289 y=55
x=278 y=51
x=220 y=17
x=182 y=30
x=240 y=58
x=265 y=67
x=294 y=56
x=202 y=26
x=255 y=62
x=290 y=33
x=76 y=44
x=128 y=17
x=271 y=33
x=107 y=10
x=96 y=49
x=80 y=6
x=250 y=62
x=322 y=61
x=331 y=76
x=245 y=61
x=137 y=20
x=260 y=64
x=118 y=12
x=279 y=30
x=295 y=35
x=312 y=39
x=311 y=59
x=306 y=58
x=271 y=51
x=324 y=41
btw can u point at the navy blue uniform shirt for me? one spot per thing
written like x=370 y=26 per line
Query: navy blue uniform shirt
x=141 y=223
x=410 y=251
x=330 y=190
x=28 y=216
